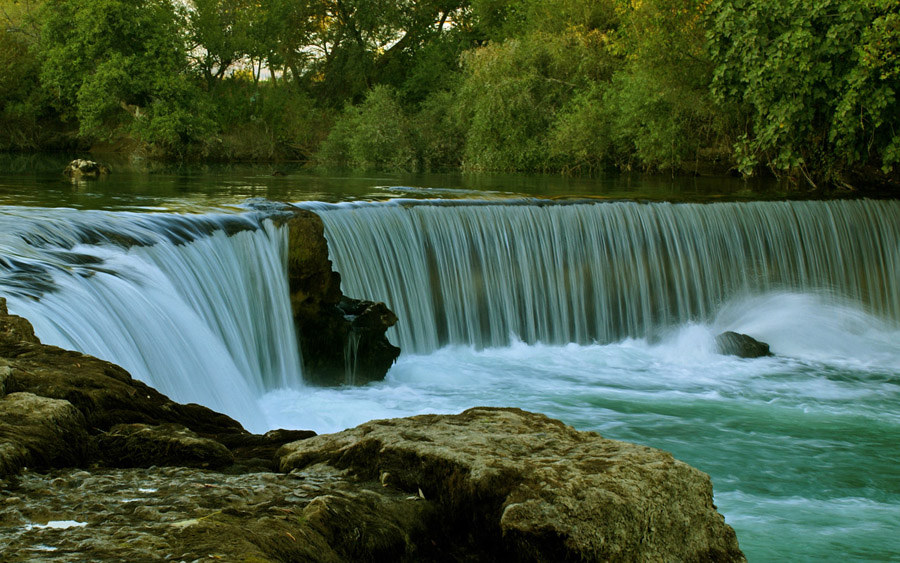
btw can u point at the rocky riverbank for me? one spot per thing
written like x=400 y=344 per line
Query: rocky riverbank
x=95 y=466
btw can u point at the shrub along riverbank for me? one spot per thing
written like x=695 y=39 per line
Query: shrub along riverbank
x=807 y=91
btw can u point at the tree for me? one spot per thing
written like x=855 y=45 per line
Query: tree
x=24 y=107
x=660 y=112
x=120 y=66
x=214 y=37
x=513 y=91
x=817 y=82
x=374 y=133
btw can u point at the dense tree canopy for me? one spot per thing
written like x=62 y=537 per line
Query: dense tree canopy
x=803 y=89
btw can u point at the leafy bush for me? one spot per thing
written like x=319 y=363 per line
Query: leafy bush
x=512 y=91
x=119 y=68
x=373 y=133
x=817 y=80
x=440 y=136
x=581 y=140
x=21 y=101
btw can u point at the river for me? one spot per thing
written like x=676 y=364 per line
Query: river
x=594 y=301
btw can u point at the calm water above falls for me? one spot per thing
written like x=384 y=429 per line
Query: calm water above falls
x=614 y=337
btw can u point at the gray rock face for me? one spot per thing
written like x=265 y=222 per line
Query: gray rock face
x=736 y=344
x=534 y=488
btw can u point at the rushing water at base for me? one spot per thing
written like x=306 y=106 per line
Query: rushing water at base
x=801 y=447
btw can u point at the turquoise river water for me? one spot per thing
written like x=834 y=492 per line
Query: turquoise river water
x=594 y=301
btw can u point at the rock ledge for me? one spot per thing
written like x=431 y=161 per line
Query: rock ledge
x=519 y=486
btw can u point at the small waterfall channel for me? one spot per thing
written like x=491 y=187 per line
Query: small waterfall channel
x=485 y=274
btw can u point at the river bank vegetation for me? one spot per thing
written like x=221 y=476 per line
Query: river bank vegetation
x=803 y=90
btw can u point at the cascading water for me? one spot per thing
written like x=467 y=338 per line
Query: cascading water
x=196 y=306
x=801 y=446
x=484 y=274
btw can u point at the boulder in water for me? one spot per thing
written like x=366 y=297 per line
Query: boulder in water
x=81 y=169
x=342 y=340
x=736 y=344
x=505 y=484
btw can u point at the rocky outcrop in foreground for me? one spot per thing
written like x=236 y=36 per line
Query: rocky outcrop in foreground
x=95 y=466
x=342 y=340
x=513 y=485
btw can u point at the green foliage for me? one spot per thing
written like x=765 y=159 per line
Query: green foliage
x=26 y=118
x=119 y=68
x=801 y=87
x=19 y=93
x=659 y=108
x=439 y=132
x=373 y=133
x=213 y=29
x=177 y=116
x=498 y=20
x=866 y=125
x=581 y=139
x=817 y=81
x=512 y=92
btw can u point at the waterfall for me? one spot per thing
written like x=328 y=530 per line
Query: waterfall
x=481 y=274
x=195 y=305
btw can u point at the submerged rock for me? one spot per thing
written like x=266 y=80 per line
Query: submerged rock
x=506 y=484
x=736 y=344
x=342 y=340
x=81 y=169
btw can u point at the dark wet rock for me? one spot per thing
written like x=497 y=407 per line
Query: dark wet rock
x=41 y=433
x=13 y=329
x=736 y=344
x=105 y=393
x=106 y=397
x=342 y=340
x=142 y=445
x=506 y=484
x=81 y=169
x=258 y=450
